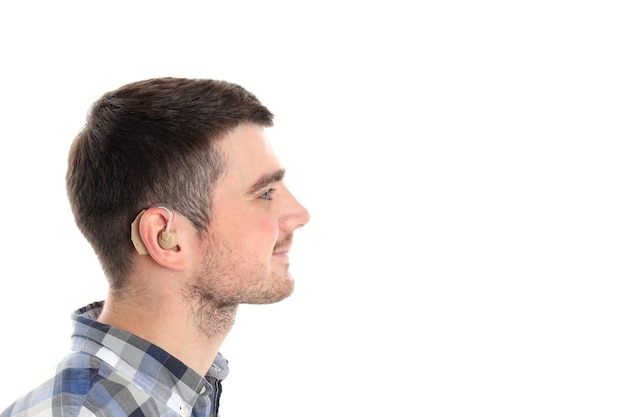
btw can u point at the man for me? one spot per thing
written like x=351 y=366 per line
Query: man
x=174 y=184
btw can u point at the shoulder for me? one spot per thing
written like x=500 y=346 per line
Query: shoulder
x=84 y=386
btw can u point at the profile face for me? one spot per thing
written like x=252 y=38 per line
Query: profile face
x=246 y=256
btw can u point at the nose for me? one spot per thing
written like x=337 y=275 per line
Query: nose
x=295 y=216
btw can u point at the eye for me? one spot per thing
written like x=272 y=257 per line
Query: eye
x=267 y=195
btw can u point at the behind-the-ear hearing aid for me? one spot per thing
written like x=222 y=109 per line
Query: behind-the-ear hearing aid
x=167 y=238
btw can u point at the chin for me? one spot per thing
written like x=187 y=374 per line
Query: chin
x=283 y=288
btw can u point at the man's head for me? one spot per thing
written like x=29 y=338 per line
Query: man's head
x=188 y=145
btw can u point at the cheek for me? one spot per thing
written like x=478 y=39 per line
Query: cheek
x=260 y=235
x=250 y=229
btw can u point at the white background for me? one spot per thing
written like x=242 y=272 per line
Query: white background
x=463 y=164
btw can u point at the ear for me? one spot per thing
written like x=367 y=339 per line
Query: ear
x=156 y=229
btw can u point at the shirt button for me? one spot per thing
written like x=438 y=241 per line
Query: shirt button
x=185 y=411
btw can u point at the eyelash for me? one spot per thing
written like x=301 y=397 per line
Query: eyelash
x=267 y=195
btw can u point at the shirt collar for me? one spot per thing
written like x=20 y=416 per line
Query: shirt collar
x=153 y=369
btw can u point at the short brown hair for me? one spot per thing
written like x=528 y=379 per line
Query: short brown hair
x=151 y=141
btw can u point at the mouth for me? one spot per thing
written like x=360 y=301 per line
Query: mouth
x=281 y=252
x=283 y=246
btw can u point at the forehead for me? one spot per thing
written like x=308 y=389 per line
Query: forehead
x=249 y=154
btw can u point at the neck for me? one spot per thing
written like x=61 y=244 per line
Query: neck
x=193 y=335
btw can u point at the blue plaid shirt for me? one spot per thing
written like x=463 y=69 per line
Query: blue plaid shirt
x=112 y=373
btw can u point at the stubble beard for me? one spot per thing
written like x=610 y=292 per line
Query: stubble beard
x=213 y=297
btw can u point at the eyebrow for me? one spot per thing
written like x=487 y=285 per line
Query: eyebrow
x=266 y=180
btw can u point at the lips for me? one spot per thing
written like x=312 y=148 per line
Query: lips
x=284 y=245
x=281 y=251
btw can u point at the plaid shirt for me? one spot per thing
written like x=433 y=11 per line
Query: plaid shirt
x=112 y=373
